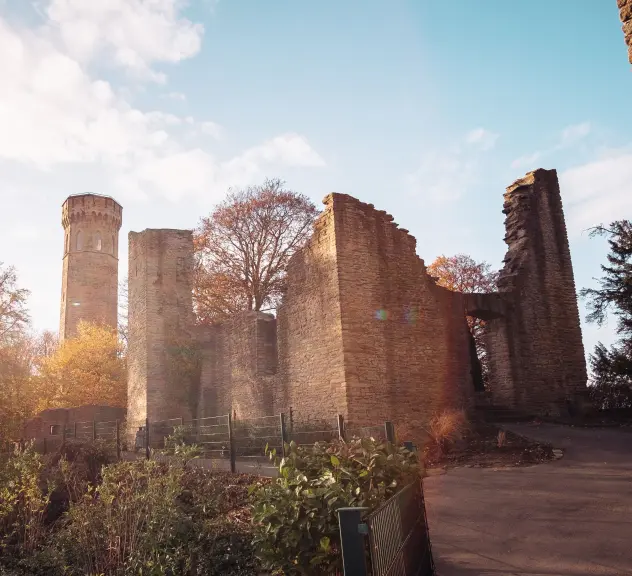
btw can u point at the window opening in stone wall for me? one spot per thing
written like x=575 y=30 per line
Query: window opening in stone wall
x=113 y=245
x=79 y=244
x=97 y=241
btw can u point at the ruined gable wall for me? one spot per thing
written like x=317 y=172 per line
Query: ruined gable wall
x=625 y=13
x=542 y=334
x=406 y=351
x=160 y=324
x=311 y=377
x=238 y=363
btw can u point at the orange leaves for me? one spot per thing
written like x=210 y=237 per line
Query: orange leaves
x=87 y=369
x=243 y=247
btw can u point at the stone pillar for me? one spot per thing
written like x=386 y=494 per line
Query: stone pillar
x=161 y=344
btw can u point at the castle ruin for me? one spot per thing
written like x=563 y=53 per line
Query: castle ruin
x=625 y=13
x=90 y=265
x=362 y=329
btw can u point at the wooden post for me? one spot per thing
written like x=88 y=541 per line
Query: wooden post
x=45 y=446
x=94 y=430
x=75 y=430
x=389 y=429
x=118 y=440
x=341 y=426
x=147 y=438
x=283 y=433
x=231 y=445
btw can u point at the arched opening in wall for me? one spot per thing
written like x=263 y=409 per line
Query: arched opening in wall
x=98 y=242
x=67 y=243
x=113 y=245
x=478 y=354
x=79 y=244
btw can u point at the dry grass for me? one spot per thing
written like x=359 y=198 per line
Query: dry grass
x=445 y=428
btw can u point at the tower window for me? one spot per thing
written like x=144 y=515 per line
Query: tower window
x=97 y=241
x=80 y=240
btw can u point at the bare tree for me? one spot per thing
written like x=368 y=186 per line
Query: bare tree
x=123 y=302
x=461 y=273
x=243 y=247
x=14 y=317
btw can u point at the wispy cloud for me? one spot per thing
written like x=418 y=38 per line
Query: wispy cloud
x=599 y=191
x=568 y=137
x=444 y=175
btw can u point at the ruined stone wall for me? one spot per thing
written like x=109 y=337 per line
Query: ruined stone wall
x=625 y=13
x=160 y=326
x=406 y=352
x=311 y=375
x=90 y=264
x=239 y=362
x=537 y=350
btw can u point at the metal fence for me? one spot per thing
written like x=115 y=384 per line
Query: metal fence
x=222 y=439
x=391 y=541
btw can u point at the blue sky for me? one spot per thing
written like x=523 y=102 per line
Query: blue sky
x=427 y=109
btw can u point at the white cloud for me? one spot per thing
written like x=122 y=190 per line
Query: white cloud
x=176 y=96
x=53 y=113
x=212 y=129
x=598 y=192
x=568 y=137
x=485 y=139
x=443 y=175
x=132 y=34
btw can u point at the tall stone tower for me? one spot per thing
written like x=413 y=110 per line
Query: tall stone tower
x=90 y=276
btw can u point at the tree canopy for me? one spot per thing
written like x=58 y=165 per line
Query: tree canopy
x=612 y=368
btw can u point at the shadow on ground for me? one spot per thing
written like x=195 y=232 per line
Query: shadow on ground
x=571 y=517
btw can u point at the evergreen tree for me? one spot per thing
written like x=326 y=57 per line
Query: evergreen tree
x=612 y=369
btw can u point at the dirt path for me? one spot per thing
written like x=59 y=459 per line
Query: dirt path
x=571 y=517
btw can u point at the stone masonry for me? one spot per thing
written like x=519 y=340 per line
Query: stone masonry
x=362 y=329
x=535 y=349
x=160 y=325
x=625 y=13
x=90 y=264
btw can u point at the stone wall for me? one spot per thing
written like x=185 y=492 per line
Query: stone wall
x=40 y=426
x=239 y=360
x=536 y=351
x=161 y=342
x=90 y=264
x=625 y=13
x=311 y=373
x=405 y=345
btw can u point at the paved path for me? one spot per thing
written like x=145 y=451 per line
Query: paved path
x=571 y=517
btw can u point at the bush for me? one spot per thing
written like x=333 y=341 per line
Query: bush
x=445 y=428
x=296 y=518
x=23 y=502
x=130 y=523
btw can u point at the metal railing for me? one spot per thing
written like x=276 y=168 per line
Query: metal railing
x=391 y=541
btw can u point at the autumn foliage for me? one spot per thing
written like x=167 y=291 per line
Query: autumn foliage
x=87 y=369
x=243 y=247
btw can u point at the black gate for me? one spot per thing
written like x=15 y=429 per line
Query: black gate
x=391 y=541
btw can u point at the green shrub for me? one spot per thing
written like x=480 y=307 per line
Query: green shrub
x=295 y=517
x=176 y=445
x=23 y=502
x=131 y=523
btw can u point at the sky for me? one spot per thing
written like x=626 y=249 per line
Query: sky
x=427 y=109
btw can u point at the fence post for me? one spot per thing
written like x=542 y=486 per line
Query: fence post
x=231 y=445
x=45 y=447
x=94 y=430
x=352 y=542
x=341 y=426
x=389 y=429
x=283 y=433
x=291 y=420
x=147 y=438
x=63 y=434
x=75 y=430
x=118 y=441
